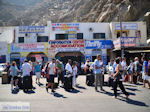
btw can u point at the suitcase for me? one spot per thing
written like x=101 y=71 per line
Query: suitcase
x=111 y=82
x=20 y=83
x=4 y=78
x=67 y=83
x=55 y=85
x=90 y=79
x=27 y=82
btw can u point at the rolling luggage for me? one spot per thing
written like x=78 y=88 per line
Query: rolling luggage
x=67 y=83
x=20 y=83
x=4 y=78
x=90 y=79
x=111 y=82
x=55 y=85
x=27 y=82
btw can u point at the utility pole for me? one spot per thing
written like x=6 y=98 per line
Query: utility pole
x=121 y=38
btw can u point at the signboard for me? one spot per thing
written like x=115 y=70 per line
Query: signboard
x=128 y=41
x=65 y=26
x=126 y=26
x=72 y=35
x=66 y=43
x=125 y=42
x=69 y=49
x=31 y=29
x=98 y=44
x=27 y=47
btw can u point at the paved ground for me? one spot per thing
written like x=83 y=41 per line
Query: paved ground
x=83 y=99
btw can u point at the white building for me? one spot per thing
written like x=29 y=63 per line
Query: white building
x=133 y=39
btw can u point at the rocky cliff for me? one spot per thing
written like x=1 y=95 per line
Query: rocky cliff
x=72 y=11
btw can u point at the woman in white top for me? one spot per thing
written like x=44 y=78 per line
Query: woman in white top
x=75 y=70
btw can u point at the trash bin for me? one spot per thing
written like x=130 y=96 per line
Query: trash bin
x=4 y=78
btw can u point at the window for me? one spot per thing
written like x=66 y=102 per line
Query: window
x=42 y=38
x=79 y=35
x=98 y=35
x=21 y=40
x=124 y=34
x=61 y=36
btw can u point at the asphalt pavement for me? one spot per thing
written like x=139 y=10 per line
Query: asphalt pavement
x=82 y=99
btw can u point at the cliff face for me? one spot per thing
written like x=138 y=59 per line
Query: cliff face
x=38 y=12
x=108 y=10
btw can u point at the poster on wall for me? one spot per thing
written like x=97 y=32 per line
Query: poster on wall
x=125 y=42
x=65 y=26
x=72 y=35
x=27 y=48
x=31 y=29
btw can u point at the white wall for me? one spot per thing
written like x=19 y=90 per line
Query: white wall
x=32 y=37
x=84 y=28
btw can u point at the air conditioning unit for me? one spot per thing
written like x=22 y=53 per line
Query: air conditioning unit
x=90 y=29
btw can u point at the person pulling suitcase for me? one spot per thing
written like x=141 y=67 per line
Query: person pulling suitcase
x=68 y=77
x=27 y=81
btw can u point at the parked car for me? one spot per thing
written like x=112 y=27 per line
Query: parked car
x=2 y=68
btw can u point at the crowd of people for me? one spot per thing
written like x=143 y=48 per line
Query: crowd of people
x=67 y=74
x=136 y=71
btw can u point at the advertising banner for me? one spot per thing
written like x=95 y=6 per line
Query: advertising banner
x=72 y=35
x=31 y=29
x=125 y=42
x=98 y=44
x=69 y=49
x=65 y=26
x=126 y=26
x=27 y=47
x=66 y=43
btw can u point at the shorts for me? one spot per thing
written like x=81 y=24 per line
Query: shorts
x=14 y=78
x=145 y=77
x=51 y=78
x=38 y=74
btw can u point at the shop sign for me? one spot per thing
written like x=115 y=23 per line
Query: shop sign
x=31 y=29
x=98 y=44
x=126 y=26
x=125 y=42
x=69 y=49
x=27 y=47
x=15 y=55
x=65 y=26
x=66 y=43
